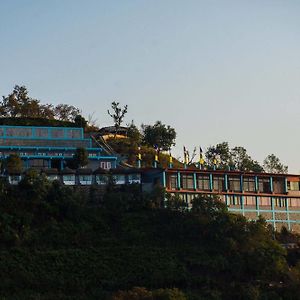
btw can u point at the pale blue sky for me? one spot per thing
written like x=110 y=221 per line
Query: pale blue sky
x=215 y=70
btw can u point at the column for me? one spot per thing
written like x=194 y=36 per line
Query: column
x=226 y=182
x=195 y=181
x=164 y=179
x=210 y=182
x=178 y=181
x=256 y=183
x=287 y=213
x=271 y=184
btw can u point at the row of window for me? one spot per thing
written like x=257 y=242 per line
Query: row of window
x=72 y=179
x=46 y=133
x=250 y=201
x=234 y=183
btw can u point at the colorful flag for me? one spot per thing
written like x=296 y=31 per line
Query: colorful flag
x=201 y=160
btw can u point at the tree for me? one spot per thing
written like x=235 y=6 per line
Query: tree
x=133 y=133
x=160 y=135
x=16 y=104
x=80 y=158
x=65 y=112
x=80 y=121
x=117 y=115
x=240 y=160
x=19 y=104
x=272 y=164
x=14 y=164
x=219 y=154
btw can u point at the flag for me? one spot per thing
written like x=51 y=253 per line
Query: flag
x=170 y=157
x=201 y=160
x=156 y=153
x=139 y=154
x=184 y=155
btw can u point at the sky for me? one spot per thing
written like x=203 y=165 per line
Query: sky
x=214 y=70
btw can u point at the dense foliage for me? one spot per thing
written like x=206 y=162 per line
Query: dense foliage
x=18 y=108
x=58 y=242
x=159 y=135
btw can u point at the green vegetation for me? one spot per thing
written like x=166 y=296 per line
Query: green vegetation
x=159 y=135
x=80 y=158
x=13 y=164
x=58 y=242
x=272 y=164
x=19 y=109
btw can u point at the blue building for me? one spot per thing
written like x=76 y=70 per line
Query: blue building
x=51 y=147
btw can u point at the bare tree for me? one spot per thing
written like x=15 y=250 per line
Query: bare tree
x=117 y=115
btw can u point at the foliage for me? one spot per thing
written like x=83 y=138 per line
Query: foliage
x=272 y=164
x=134 y=134
x=219 y=153
x=14 y=164
x=118 y=114
x=80 y=158
x=55 y=244
x=19 y=105
x=160 y=135
x=141 y=293
x=128 y=150
x=80 y=121
x=28 y=121
x=236 y=158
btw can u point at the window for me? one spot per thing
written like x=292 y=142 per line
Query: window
x=52 y=177
x=293 y=185
x=187 y=182
x=18 y=132
x=105 y=165
x=119 y=179
x=278 y=185
x=203 y=182
x=264 y=185
x=218 y=183
x=38 y=163
x=69 y=179
x=57 y=133
x=85 y=179
x=234 y=200
x=279 y=202
x=134 y=178
x=74 y=133
x=101 y=179
x=249 y=184
x=249 y=200
x=41 y=132
x=234 y=183
x=294 y=202
x=265 y=201
x=173 y=184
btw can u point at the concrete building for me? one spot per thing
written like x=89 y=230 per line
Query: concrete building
x=51 y=147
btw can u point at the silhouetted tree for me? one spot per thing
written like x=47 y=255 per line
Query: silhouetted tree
x=272 y=164
x=117 y=115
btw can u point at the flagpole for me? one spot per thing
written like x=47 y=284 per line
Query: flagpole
x=170 y=160
x=139 y=157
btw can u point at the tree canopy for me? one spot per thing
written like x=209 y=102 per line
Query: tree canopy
x=159 y=135
x=18 y=104
x=272 y=164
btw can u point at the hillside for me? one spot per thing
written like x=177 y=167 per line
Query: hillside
x=59 y=243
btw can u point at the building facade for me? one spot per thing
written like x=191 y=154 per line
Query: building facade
x=51 y=147
x=276 y=197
